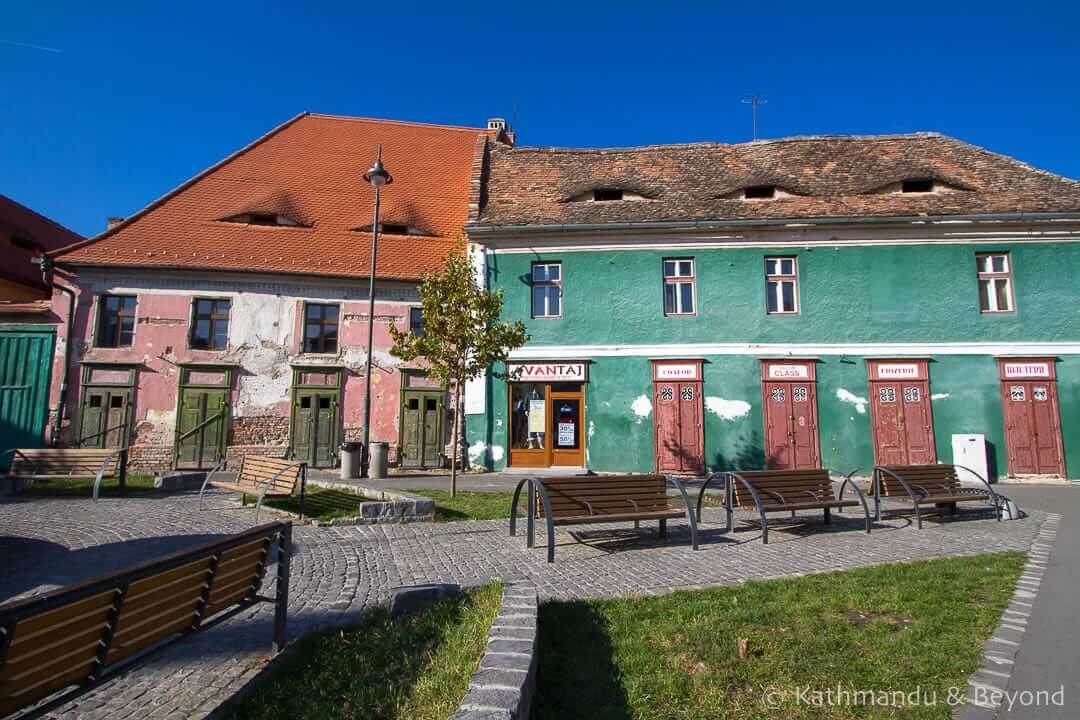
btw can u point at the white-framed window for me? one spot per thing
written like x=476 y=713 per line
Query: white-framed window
x=547 y=290
x=678 y=286
x=781 y=285
x=995 y=282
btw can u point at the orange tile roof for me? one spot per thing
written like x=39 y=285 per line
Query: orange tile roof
x=309 y=169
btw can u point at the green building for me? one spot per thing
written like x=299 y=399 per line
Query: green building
x=818 y=301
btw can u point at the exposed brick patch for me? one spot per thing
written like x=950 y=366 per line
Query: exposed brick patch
x=267 y=430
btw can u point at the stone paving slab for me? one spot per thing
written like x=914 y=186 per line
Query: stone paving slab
x=337 y=573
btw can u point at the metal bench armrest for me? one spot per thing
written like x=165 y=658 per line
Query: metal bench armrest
x=984 y=481
x=689 y=508
x=118 y=455
x=757 y=503
x=858 y=492
x=270 y=484
x=704 y=487
x=773 y=492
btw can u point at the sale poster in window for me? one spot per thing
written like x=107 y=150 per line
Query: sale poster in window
x=537 y=418
x=566 y=434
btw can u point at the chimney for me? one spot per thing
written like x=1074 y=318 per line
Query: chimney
x=503 y=132
x=111 y=222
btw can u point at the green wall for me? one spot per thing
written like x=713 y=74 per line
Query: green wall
x=847 y=294
x=869 y=294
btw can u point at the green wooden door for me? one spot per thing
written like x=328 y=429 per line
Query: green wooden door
x=103 y=422
x=25 y=360
x=315 y=426
x=421 y=429
x=201 y=427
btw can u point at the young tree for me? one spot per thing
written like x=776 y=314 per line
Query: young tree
x=462 y=335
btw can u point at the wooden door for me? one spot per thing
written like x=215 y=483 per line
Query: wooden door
x=903 y=423
x=421 y=429
x=314 y=427
x=103 y=422
x=678 y=427
x=1032 y=427
x=410 y=451
x=791 y=435
x=25 y=364
x=432 y=444
x=804 y=431
x=202 y=426
x=566 y=414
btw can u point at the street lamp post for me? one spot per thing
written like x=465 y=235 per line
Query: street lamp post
x=377 y=177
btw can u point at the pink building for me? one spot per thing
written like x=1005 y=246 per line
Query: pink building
x=230 y=315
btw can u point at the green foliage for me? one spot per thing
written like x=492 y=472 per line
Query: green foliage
x=897 y=627
x=84 y=487
x=463 y=335
x=320 y=503
x=416 y=667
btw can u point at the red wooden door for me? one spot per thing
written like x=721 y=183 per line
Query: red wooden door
x=778 y=443
x=1032 y=430
x=804 y=425
x=679 y=447
x=668 y=433
x=903 y=423
x=918 y=423
x=888 y=418
x=691 y=452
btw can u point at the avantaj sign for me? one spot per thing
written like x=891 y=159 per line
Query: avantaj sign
x=541 y=371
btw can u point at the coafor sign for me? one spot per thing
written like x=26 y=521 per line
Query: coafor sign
x=1027 y=369
x=677 y=372
x=543 y=372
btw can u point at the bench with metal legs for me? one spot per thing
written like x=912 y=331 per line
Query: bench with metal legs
x=261 y=477
x=582 y=500
x=934 y=484
x=780 y=490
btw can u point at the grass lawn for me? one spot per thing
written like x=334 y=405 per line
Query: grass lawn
x=895 y=627
x=319 y=503
x=84 y=487
x=415 y=667
x=471 y=505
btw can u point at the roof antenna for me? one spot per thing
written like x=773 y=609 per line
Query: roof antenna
x=753 y=102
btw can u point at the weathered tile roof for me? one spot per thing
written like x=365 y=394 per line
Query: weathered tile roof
x=310 y=169
x=829 y=176
x=19 y=221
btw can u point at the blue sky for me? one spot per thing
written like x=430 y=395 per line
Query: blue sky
x=106 y=106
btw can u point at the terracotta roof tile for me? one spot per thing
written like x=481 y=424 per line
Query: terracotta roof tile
x=830 y=176
x=17 y=220
x=309 y=169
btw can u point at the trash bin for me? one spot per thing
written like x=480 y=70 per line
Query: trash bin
x=377 y=461
x=350 y=460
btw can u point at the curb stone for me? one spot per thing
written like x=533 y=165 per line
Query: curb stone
x=502 y=687
x=988 y=684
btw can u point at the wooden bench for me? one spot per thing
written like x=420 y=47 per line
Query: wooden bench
x=588 y=499
x=84 y=634
x=260 y=476
x=66 y=463
x=929 y=485
x=781 y=490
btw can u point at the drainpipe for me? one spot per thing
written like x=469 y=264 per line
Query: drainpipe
x=61 y=403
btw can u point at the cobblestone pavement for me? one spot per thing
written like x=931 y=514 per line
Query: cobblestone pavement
x=338 y=572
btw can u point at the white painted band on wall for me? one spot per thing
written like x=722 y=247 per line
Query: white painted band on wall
x=890 y=350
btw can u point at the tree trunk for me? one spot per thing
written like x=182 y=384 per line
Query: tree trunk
x=455 y=444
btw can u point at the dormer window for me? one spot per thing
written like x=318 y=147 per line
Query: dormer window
x=917 y=185
x=394 y=228
x=760 y=192
x=261 y=218
x=606 y=194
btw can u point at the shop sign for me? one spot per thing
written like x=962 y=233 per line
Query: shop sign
x=788 y=372
x=677 y=372
x=1027 y=369
x=897 y=371
x=537 y=418
x=549 y=371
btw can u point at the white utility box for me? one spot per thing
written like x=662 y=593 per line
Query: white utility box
x=970 y=451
